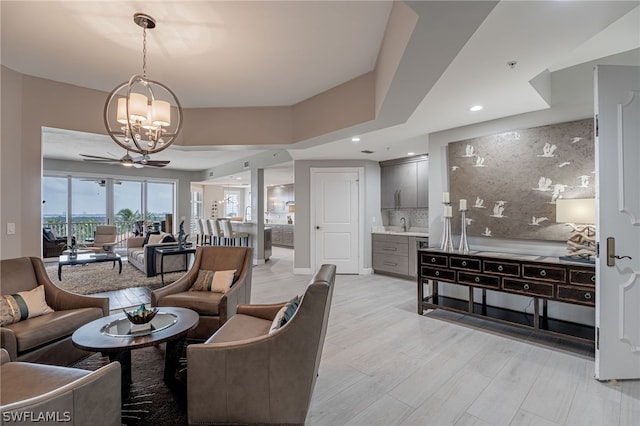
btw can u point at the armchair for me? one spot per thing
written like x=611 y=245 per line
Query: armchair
x=250 y=373
x=214 y=308
x=80 y=397
x=104 y=239
x=46 y=338
x=52 y=245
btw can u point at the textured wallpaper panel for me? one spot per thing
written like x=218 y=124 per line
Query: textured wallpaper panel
x=511 y=180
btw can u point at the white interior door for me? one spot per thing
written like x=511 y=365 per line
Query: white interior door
x=335 y=220
x=617 y=108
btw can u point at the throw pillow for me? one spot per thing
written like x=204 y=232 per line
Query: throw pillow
x=284 y=314
x=168 y=238
x=156 y=238
x=216 y=281
x=23 y=305
x=48 y=234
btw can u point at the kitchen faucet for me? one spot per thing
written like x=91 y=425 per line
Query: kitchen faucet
x=403 y=222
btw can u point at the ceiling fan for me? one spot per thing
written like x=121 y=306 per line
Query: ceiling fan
x=127 y=160
x=102 y=182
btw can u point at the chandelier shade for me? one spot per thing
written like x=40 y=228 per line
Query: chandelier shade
x=143 y=115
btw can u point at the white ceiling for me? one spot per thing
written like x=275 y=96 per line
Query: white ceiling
x=258 y=53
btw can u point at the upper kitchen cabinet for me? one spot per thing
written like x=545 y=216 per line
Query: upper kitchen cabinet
x=404 y=182
x=279 y=198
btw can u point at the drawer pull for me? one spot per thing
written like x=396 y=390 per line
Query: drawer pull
x=587 y=296
x=389 y=248
x=526 y=286
x=593 y=279
x=543 y=273
x=433 y=260
x=500 y=268
x=464 y=263
x=390 y=263
x=477 y=279
x=437 y=273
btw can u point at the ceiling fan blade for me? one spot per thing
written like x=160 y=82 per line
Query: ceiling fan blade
x=138 y=166
x=104 y=160
x=97 y=157
x=157 y=163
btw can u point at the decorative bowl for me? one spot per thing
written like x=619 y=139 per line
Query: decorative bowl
x=141 y=315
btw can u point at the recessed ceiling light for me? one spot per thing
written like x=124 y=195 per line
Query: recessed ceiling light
x=411 y=153
x=238 y=178
x=475 y=108
x=355 y=139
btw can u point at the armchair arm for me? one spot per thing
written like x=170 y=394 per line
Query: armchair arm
x=267 y=312
x=182 y=284
x=4 y=356
x=8 y=342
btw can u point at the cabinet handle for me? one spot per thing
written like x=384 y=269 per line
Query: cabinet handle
x=433 y=260
x=593 y=278
x=526 y=286
x=543 y=273
x=500 y=268
x=464 y=263
x=437 y=273
x=587 y=296
x=477 y=279
x=389 y=248
x=390 y=263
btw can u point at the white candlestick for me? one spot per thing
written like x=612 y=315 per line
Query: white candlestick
x=448 y=211
x=463 y=204
x=445 y=197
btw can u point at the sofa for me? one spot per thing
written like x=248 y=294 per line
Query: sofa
x=44 y=338
x=214 y=307
x=257 y=370
x=44 y=394
x=141 y=254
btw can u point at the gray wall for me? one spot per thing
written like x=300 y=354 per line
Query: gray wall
x=302 y=185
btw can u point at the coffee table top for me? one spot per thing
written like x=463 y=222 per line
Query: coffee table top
x=81 y=258
x=107 y=334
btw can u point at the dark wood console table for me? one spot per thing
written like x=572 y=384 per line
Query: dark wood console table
x=542 y=278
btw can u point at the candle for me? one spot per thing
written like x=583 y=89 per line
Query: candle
x=448 y=211
x=445 y=197
x=463 y=204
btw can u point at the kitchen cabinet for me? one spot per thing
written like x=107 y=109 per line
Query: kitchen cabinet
x=278 y=196
x=282 y=235
x=395 y=254
x=404 y=183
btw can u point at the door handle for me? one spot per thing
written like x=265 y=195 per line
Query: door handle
x=611 y=252
x=317 y=227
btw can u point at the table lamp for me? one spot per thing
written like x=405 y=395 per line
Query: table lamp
x=580 y=214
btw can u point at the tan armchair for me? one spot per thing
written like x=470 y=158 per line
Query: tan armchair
x=32 y=392
x=47 y=338
x=104 y=239
x=214 y=308
x=244 y=374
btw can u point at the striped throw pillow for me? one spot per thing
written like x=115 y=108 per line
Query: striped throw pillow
x=216 y=281
x=22 y=305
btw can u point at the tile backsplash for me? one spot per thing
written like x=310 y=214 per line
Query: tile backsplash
x=414 y=217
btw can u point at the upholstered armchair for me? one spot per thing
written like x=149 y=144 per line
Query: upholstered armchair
x=104 y=239
x=52 y=245
x=215 y=308
x=34 y=392
x=256 y=370
x=43 y=338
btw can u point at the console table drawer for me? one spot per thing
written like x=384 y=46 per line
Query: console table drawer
x=528 y=288
x=582 y=295
x=438 y=274
x=477 y=280
x=502 y=268
x=544 y=273
x=582 y=277
x=433 y=259
x=465 y=263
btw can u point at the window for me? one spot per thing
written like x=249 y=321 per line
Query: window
x=231 y=202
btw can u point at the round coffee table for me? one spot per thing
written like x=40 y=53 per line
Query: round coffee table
x=113 y=336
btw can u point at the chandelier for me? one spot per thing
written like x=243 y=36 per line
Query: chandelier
x=138 y=113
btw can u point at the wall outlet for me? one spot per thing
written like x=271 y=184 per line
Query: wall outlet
x=11 y=228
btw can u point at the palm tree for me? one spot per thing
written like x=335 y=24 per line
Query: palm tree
x=126 y=218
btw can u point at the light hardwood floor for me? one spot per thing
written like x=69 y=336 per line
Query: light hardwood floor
x=383 y=364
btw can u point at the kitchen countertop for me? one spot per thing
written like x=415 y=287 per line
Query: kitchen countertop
x=396 y=230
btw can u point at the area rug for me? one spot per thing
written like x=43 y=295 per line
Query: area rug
x=151 y=401
x=100 y=277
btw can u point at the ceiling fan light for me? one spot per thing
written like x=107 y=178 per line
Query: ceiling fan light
x=161 y=113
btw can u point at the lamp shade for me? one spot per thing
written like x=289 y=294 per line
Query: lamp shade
x=580 y=211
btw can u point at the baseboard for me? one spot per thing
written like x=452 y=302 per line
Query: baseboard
x=367 y=271
x=302 y=271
